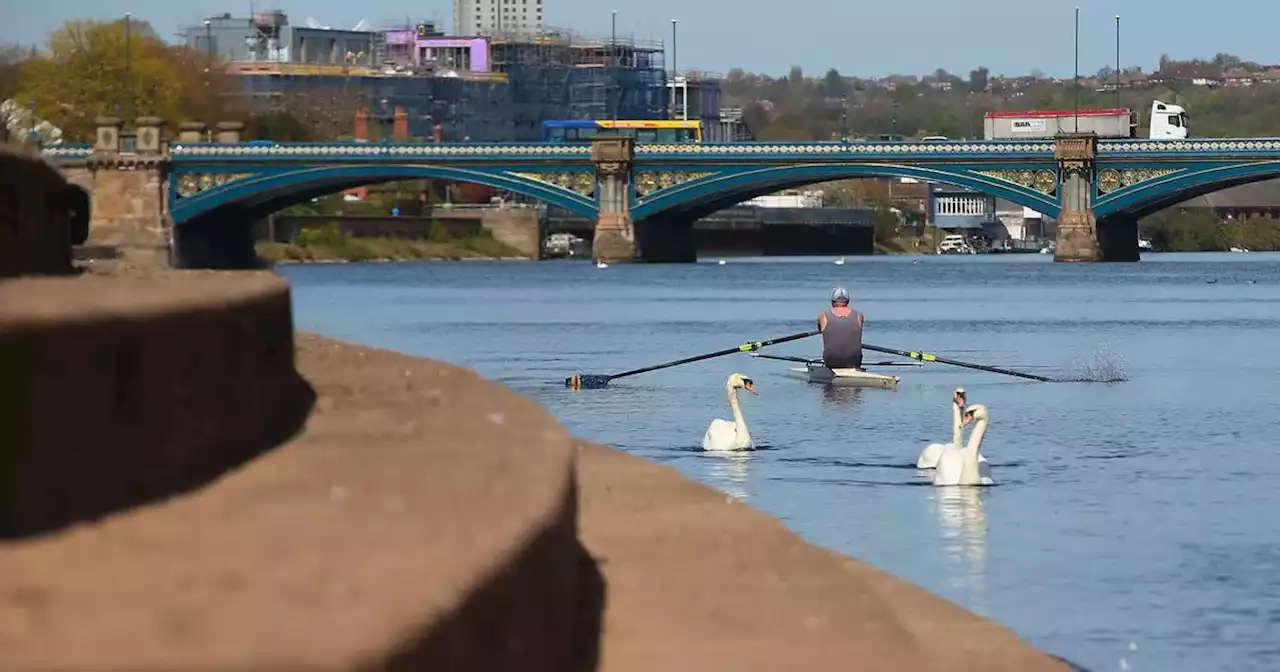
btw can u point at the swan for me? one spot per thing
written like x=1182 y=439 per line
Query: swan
x=929 y=456
x=963 y=467
x=726 y=434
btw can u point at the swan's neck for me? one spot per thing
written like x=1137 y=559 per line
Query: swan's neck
x=739 y=422
x=956 y=430
x=970 y=468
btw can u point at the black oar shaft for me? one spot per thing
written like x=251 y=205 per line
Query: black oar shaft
x=784 y=358
x=588 y=382
x=929 y=357
x=745 y=347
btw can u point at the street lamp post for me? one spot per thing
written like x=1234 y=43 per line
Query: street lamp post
x=674 y=72
x=1117 y=61
x=208 y=70
x=1077 y=71
x=128 y=65
x=893 y=107
x=844 y=117
x=613 y=63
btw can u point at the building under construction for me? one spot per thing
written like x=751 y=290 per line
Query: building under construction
x=488 y=88
x=560 y=75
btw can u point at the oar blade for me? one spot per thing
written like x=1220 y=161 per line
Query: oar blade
x=587 y=382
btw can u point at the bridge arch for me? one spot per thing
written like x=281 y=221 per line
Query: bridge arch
x=722 y=189
x=259 y=194
x=1156 y=194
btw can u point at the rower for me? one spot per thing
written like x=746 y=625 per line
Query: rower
x=841 y=328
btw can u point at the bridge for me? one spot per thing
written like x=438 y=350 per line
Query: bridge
x=196 y=200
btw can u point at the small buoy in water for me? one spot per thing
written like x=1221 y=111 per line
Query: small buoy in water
x=601 y=264
x=721 y=262
x=840 y=261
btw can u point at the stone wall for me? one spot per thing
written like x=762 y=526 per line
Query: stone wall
x=423 y=518
x=519 y=229
x=128 y=210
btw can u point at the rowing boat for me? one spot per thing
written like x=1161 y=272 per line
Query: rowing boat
x=817 y=373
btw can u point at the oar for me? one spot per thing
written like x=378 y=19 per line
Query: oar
x=802 y=360
x=595 y=382
x=929 y=357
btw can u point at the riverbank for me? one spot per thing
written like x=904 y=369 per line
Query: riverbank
x=329 y=245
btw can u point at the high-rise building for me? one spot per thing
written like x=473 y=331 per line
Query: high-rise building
x=496 y=17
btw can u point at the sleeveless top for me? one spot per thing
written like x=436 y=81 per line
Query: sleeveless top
x=842 y=339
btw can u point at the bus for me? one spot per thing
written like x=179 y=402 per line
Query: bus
x=645 y=132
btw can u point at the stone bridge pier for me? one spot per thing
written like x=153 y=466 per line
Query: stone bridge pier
x=126 y=177
x=1081 y=236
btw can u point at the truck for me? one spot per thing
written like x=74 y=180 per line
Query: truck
x=1168 y=122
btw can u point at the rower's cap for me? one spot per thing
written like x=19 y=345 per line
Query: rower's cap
x=839 y=295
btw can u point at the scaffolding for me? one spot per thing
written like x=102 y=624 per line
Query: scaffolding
x=559 y=74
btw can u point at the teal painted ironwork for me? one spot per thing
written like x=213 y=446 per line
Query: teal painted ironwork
x=1133 y=177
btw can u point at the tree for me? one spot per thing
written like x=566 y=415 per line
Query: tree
x=208 y=94
x=11 y=58
x=978 y=79
x=278 y=125
x=833 y=84
x=87 y=71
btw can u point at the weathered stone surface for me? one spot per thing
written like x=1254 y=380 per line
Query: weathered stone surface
x=128 y=211
x=120 y=392
x=424 y=520
x=615 y=239
x=1077 y=238
x=518 y=229
x=41 y=217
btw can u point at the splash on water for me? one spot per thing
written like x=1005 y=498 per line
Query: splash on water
x=1105 y=367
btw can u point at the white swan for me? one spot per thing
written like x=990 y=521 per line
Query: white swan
x=726 y=434
x=929 y=456
x=962 y=467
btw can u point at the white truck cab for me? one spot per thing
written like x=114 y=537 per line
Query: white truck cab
x=1168 y=121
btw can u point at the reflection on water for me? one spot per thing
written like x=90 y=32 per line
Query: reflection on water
x=841 y=395
x=730 y=470
x=963 y=524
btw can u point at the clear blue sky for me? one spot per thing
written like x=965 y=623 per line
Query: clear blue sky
x=863 y=38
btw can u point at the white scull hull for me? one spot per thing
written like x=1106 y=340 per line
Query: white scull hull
x=844 y=377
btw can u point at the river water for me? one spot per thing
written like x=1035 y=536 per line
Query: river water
x=1133 y=526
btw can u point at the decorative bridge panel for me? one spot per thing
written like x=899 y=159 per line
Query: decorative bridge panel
x=581 y=182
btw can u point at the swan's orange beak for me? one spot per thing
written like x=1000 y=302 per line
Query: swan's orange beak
x=750 y=387
x=968 y=418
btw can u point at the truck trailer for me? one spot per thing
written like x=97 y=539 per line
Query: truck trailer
x=1168 y=122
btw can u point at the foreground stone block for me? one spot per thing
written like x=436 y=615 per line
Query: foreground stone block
x=41 y=217
x=425 y=520
x=117 y=392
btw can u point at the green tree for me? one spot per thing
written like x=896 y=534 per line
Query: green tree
x=978 y=79
x=87 y=70
x=834 y=85
x=279 y=125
